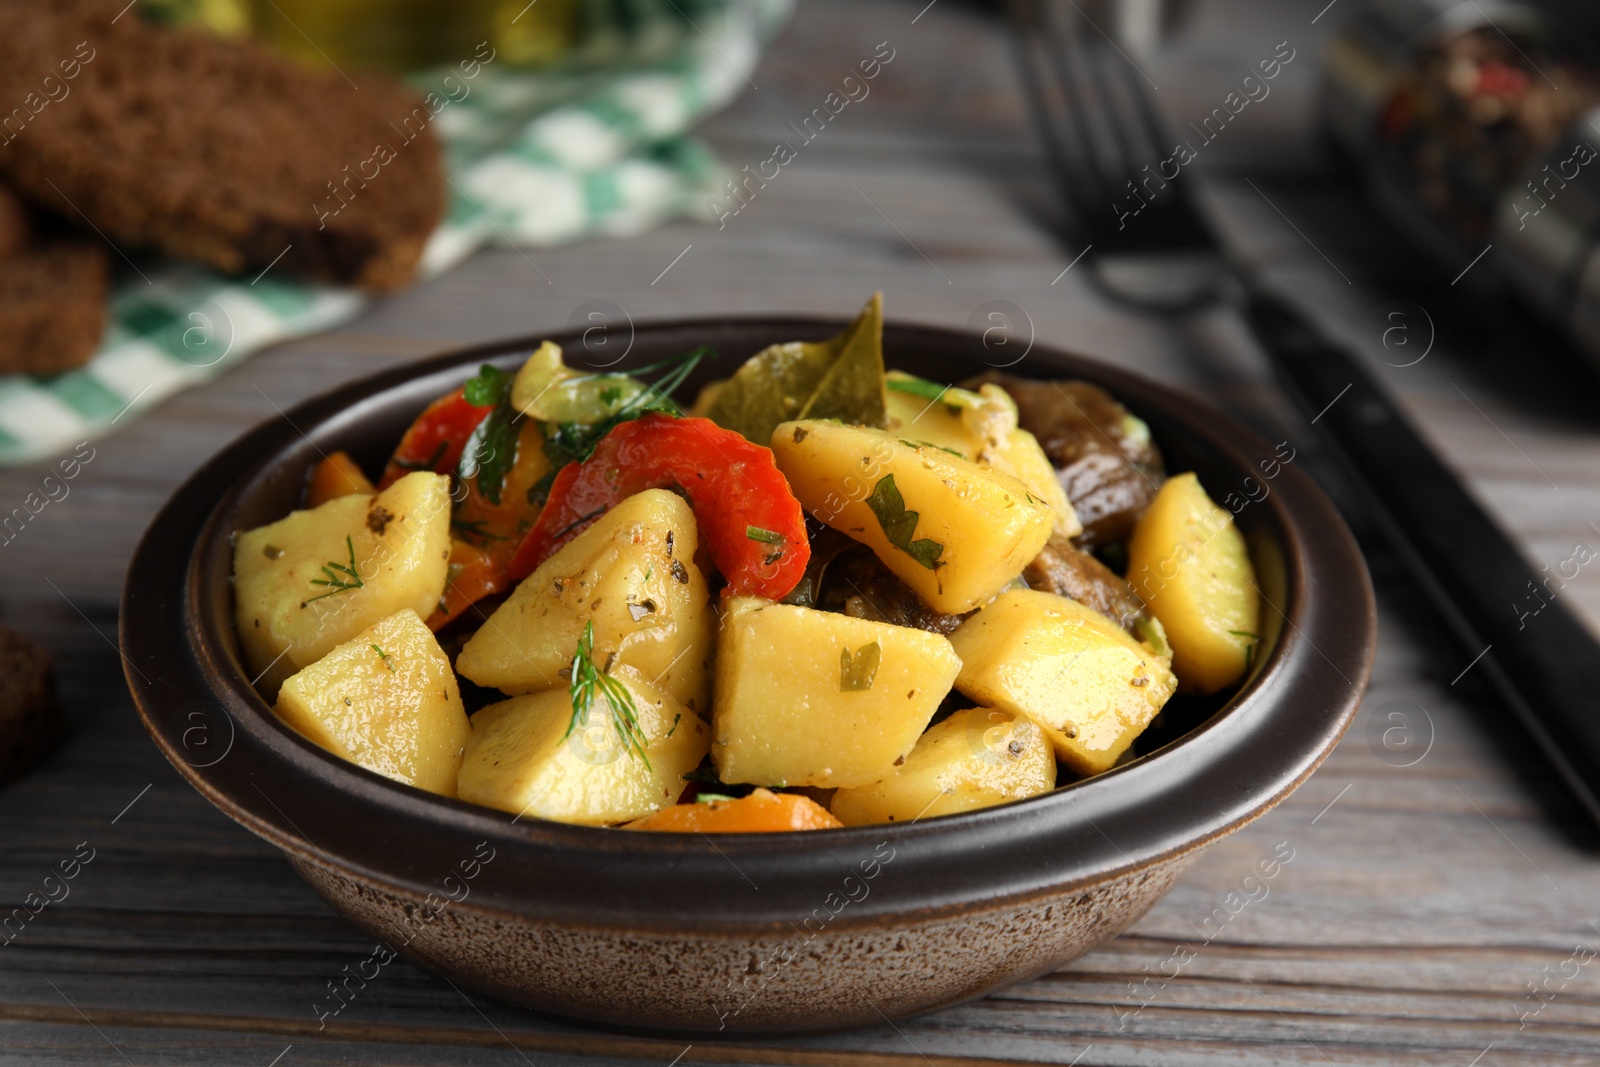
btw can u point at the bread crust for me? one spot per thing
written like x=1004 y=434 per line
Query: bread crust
x=221 y=151
x=30 y=724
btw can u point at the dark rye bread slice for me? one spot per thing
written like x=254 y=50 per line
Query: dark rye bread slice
x=214 y=150
x=30 y=725
x=15 y=227
x=52 y=306
x=52 y=296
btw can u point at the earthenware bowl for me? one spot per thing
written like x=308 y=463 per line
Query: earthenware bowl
x=744 y=932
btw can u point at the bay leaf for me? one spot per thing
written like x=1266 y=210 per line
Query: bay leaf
x=840 y=378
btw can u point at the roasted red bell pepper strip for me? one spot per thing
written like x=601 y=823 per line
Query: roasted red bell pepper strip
x=435 y=440
x=749 y=520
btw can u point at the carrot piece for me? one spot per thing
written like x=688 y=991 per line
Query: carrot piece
x=484 y=534
x=762 y=812
x=473 y=573
x=336 y=475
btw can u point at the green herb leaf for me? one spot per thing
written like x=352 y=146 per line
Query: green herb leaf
x=907 y=383
x=475 y=531
x=767 y=537
x=840 y=378
x=857 y=672
x=573 y=442
x=899 y=525
x=706 y=798
x=491 y=449
x=1250 y=649
x=383 y=656
x=590 y=684
x=941 y=448
x=339 y=577
x=490 y=386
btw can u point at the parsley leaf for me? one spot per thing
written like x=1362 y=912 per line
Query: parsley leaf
x=899 y=524
x=856 y=673
x=489 y=386
x=491 y=449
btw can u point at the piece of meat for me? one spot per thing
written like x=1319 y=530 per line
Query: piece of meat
x=1103 y=457
x=1067 y=570
x=856 y=583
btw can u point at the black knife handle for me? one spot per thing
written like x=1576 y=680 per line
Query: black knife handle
x=1541 y=657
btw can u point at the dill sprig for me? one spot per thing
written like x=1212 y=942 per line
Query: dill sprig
x=589 y=684
x=476 y=528
x=573 y=442
x=337 y=576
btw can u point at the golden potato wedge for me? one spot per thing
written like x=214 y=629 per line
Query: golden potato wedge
x=974 y=759
x=1190 y=564
x=522 y=759
x=980 y=426
x=955 y=532
x=386 y=700
x=317 y=578
x=633 y=575
x=1089 y=686
x=808 y=697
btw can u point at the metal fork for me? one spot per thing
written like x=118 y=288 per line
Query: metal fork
x=1101 y=132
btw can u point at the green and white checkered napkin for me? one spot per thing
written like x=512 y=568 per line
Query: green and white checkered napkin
x=598 y=148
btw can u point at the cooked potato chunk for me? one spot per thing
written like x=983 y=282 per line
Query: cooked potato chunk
x=808 y=697
x=522 y=759
x=981 y=426
x=318 y=578
x=1088 y=685
x=1190 y=564
x=633 y=575
x=387 y=700
x=953 y=531
x=974 y=759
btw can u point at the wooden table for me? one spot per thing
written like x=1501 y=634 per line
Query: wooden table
x=1422 y=901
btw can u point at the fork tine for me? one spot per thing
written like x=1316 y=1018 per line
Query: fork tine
x=1137 y=147
x=1106 y=133
x=1088 y=98
x=1066 y=138
x=1179 y=217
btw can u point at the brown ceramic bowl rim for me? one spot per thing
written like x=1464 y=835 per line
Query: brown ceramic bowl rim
x=196 y=700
